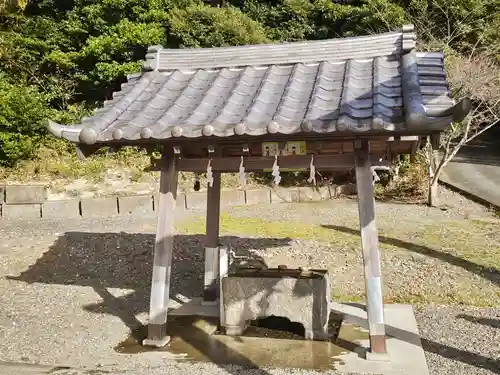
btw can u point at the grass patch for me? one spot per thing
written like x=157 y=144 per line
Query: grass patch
x=58 y=163
x=256 y=227
x=356 y=298
x=476 y=241
x=472 y=246
x=421 y=300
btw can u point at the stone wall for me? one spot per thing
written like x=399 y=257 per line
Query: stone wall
x=30 y=201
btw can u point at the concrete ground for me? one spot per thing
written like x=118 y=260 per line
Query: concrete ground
x=71 y=291
x=405 y=353
x=476 y=168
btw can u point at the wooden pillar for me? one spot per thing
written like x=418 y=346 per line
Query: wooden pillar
x=210 y=290
x=371 y=254
x=162 y=263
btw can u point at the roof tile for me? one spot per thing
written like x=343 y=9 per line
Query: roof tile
x=350 y=85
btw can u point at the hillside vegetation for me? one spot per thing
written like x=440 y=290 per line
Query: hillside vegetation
x=60 y=59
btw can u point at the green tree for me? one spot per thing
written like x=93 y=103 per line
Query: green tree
x=8 y=6
x=466 y=26
x=203 y=26
x=22 y=113
x=63 y=57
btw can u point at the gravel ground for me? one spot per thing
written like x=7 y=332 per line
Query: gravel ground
x=70 y=290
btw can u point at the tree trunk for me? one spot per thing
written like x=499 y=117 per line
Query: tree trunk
x=432 y=197
x=433 y=170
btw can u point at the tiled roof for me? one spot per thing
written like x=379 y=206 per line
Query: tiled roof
x=374 y=83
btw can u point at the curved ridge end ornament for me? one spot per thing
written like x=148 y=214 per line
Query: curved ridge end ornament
x=176 y=131
x=146 y=133
x=240 y=129
x=207 y=130
x=54 y=128
x=273 y=127
x=88 y=136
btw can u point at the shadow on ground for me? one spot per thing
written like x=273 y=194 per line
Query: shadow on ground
x=124 y=260
x=494 y=323
x=446 y=351
x=491 y=274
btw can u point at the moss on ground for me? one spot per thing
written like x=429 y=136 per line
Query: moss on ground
x=476 y=241
x=256 y=227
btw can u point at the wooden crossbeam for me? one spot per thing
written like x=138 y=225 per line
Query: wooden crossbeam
x=259 y=163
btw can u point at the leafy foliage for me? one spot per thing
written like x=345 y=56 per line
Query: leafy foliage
x=61 y=58
x=202 y=26
x=467 y=26
x=22 y=111
x=12 y=5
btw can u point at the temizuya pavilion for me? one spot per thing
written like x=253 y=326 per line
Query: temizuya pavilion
x=335 y=104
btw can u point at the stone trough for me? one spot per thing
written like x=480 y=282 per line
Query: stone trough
x=302 y=296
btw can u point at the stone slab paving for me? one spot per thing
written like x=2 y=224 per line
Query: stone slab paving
x=405 y=354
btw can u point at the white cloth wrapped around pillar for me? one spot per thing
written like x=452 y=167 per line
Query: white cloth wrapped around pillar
x=211 y=279
x=223 y=271
x=312 y=172
x=242 y=175
x=276 y=171
x=210 y=176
